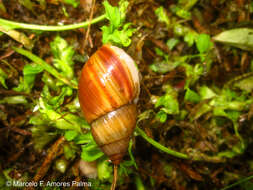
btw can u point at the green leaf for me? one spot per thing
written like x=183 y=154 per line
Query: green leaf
x=104 y=169
x=187 y=4
x=169 y=103
x=27 y=4
x=46 y=66
x=125 y=168
x=120 y=37
x=192 y=73
x=219 y=111
x=206 y=93
x=84 y=138
x=179 y=30
x=50 y=82
x=57 y=100
x=3 y=77
x=229 y=100
x=164 y=66
x=236 y=105
x=116 y=32
x=63 y=57
x=74 y=106
x=70 y=135
x=91 y=152
x=230 y=95
x=70 y=151
x=145 y=115
x=162 y=116
x=18 y=36
x=190 y=38
x=174 y=109
x=245 y=84
x=30 y=71
x=138 y=183
x=159 y=52
x=113 y=15
x=240 y=37
x=172 y=42
x=13 y=100
x=123 y=4
x=42 y=133
x=181 y=12
x=61 y=120
x=68 y=121
x=37 y=119
x=74 y=3
x=203 y=43
x=191 y=96
x=162 y=15
x=233 y=115
x=204 y=108
x=106 y=34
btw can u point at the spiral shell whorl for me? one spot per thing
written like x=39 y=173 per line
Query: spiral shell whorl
x=112 y=131
x=108 y=90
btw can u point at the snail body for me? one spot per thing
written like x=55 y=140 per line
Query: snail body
x=108 y=91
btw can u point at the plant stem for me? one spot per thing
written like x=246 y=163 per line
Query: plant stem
x=11 y=25
x=161 y=147
x=45 y=66
x=130 y=153
x=238 y=182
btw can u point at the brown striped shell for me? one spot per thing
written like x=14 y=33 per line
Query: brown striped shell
x=108 y=91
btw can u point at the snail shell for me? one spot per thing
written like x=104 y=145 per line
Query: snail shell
x=108 y=91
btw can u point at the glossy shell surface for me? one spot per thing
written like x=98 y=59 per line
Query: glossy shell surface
x=113 y=131
x=108 y=81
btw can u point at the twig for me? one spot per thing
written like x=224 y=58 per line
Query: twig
x=15 y=156
x=13 y=93
x=161 y=45
x=88 y=29
x=8 y=53
x=21 y=131
x=217 y=52
x=146 y=89
x=50 y=157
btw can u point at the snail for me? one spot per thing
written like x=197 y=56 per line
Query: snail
x=108 y=91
